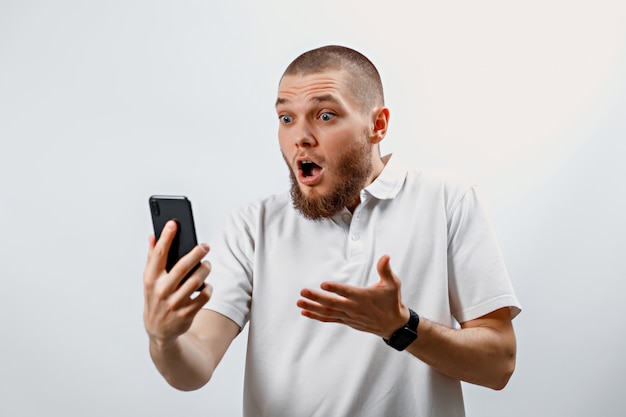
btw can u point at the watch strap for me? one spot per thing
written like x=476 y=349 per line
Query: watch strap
x=405 y=335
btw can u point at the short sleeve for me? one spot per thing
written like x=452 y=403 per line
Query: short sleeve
x=232 y=257
x=478 y=280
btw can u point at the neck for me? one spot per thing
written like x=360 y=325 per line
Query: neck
x=378 y=164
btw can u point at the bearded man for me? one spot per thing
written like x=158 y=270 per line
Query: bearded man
x=334 y=330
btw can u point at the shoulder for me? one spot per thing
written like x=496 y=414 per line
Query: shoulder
x=262 y=210
x=250 y=222
x=447 y=186
x=271 y=204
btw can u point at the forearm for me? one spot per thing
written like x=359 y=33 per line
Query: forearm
x=480 y=355
x=184 y=363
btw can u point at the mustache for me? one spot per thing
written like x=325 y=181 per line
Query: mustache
x=304 y=155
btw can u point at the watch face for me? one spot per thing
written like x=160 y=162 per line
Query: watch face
x=404 y=338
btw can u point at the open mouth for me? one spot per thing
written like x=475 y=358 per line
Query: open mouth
x=309 y=168
x=309 y=173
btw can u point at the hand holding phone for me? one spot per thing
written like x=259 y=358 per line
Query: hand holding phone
x=177 y=208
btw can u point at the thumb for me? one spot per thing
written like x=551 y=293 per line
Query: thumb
x=384 y=269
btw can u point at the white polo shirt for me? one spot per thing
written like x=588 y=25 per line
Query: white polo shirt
x=441 y=246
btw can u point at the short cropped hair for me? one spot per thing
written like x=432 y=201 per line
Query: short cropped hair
x=364 y=79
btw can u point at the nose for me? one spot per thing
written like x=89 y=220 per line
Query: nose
x=304 y=137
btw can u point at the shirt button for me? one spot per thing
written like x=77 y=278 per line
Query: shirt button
x=346 y=218
x=356 y=237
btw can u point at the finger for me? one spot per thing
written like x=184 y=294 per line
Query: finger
x=347 y=291
x=150 y=273
x=325 y=303
x=319 y=317
x=326 y=299
x=157 y=257
x=320 y=311
x=169 y=285
x=151 y=243
x=181 y=297
x=196 y=281
x=194 y=305
x=384 y=269
x=188 y=262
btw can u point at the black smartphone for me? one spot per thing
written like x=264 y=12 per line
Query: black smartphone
x=178 y=208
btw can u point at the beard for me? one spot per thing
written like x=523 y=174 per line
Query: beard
x=350 y=174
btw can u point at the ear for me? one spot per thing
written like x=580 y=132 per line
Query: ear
x=380 y=118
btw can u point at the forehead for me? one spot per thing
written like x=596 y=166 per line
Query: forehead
x=309 y=87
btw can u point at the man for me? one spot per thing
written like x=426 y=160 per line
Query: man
x=369 y=289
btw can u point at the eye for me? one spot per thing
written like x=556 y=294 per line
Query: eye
x=285 y=119
x=327 y=116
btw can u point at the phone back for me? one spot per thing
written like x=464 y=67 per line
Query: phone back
x=178 y=208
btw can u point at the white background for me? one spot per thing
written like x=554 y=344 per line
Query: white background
x=105 y=103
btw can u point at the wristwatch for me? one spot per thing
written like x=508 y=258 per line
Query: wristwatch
x=406 y=335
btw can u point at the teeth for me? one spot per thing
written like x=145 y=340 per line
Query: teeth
x=306 y=167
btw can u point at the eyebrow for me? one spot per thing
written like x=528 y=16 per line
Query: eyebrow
x=319 y=99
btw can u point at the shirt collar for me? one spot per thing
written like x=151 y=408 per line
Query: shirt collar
x=389 y=182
